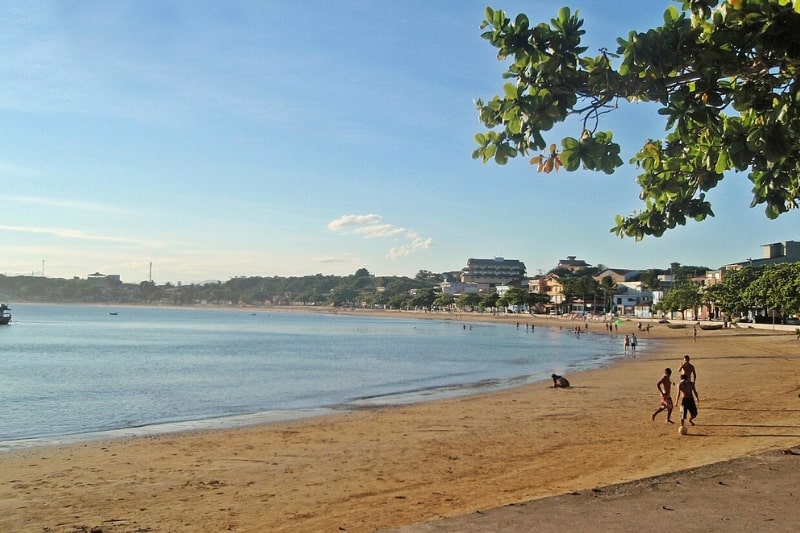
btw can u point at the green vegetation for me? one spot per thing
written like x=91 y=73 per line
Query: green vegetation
x=770 y=292
x=724 y=75
x=772 y=289
x=358 y=290
x=681 y=298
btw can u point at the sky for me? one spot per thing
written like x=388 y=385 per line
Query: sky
x=190 y=141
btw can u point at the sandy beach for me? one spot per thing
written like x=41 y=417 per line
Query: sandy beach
x=529 y=458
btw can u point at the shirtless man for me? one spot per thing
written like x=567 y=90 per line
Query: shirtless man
x=688 y=369
x=665 y=388
x=560 y=382
x=686 y=396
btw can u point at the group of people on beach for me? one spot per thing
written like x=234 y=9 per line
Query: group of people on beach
x=629 y=343
x=687 y=393
x=687 y=396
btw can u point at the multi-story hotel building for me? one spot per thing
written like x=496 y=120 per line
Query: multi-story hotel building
x=489 y=273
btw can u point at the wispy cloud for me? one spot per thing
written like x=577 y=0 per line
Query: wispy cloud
x=14 y=169
x=65 y=204
x=346 y=257
x=346 y=222
x=373 y=227
x=66 y=233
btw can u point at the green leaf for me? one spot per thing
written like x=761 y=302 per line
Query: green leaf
x=671 y=15
x=510 y=90
x=500 y=158
x=569 y=143
x=722 y=162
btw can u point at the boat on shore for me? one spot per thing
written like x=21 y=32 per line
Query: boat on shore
x=5 y=314
x=710 y=327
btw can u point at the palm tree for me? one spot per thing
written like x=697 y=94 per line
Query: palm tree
x=609 y=287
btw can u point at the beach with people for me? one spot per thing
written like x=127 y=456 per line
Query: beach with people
x=507 y=460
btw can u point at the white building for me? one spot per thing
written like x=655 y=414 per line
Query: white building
x=631 y=299
x=457 y=288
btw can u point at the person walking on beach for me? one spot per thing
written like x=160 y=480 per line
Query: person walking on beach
x=665 y=389
x=633 y=343
x=626 y=343
x=688 y=369
x=686 y=396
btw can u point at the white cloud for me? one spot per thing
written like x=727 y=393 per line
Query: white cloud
x=379 y=231
x=372 y=227
x=408 y=249
x=347 y=221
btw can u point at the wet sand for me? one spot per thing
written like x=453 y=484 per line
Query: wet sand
x=468 y=459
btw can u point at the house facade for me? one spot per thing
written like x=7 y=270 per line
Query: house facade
x=572 y=264
x=631 y=300
x=617 y=275
x=551 y=286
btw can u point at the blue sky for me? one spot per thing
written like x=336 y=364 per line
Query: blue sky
x=224 y=139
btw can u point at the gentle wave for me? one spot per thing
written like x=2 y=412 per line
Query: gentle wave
x=75 y=372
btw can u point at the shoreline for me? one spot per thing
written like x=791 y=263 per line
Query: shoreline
x=390 y=467
x=411 y=396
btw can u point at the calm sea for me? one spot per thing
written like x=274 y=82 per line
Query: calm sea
x=74 y=372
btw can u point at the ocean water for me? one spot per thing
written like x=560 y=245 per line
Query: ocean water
x=72 y=372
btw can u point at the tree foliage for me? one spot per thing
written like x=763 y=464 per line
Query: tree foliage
x=649 y=279
x=444 y=301
x=681 y=298
x=777 y=288
x=729 y=295
x=468 y=301
x=723 y=74
x=772 y=287
x=608 y=286
x=357 y=289
x=489 y=301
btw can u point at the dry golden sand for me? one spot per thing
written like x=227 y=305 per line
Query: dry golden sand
x=389 y=467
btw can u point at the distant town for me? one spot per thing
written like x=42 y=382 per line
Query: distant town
x=571 y=287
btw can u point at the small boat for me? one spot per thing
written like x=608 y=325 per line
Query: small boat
x=676 y=326
x=710 y=327
x=5 y=315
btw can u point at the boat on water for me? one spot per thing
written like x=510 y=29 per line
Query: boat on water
x=5 y=314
